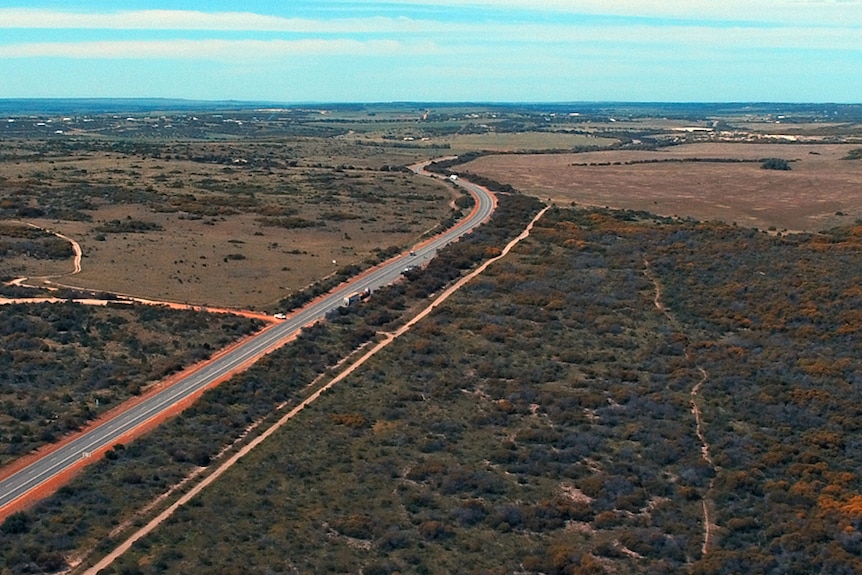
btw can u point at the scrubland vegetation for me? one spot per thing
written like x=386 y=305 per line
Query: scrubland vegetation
x=21 y=240
x=226 y=223
x=63 y=365
x=540 y=421
x=111 y=491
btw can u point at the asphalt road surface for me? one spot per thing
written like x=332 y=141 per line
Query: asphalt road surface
x=62 y=459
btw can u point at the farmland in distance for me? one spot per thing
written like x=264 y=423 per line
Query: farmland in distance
x=540 y=421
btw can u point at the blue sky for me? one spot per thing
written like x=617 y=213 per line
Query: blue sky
x=447 y=50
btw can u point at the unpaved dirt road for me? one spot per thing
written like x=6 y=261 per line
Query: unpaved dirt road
x=226 y=465
x=55 y=465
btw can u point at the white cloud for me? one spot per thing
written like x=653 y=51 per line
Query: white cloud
x=730 y=37
x=193 y=20
x=424 y=38
x=813 y=12
x=212 y=49
x=543 y=41
x=136 y=20
x=809 y=13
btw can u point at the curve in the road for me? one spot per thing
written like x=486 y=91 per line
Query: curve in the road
x=76 y=263
x=49 y=471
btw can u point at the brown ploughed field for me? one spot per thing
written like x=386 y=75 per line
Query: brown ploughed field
x=810 y=197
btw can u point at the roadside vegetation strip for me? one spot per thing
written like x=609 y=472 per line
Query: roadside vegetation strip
x=65 y=366
x=320 y=289
x=182 y=489
x=52 y=484
x=435 y=427
x=283 y=338
x=388 y=339
x=198 y=434
x=198 y=472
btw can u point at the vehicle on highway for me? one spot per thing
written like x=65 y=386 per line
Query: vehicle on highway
x=356 y=296
x=127 y=423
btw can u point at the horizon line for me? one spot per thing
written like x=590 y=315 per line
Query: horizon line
x=414 y=102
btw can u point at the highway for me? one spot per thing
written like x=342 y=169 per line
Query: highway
x=73 y=453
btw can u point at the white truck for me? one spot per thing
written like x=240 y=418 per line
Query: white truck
x=355 y=297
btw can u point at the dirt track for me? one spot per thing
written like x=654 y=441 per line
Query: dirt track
x=119 y=298
x=51 y=486
x=76 y=263
x=226 y=465
x=708 y=526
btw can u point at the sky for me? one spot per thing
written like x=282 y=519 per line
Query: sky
x=299 y=51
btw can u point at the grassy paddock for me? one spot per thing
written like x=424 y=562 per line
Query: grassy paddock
x=821 y=191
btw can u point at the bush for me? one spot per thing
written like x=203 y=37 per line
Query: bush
x=17 y=523
x=775 y=164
